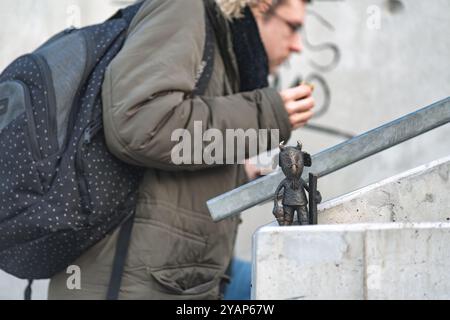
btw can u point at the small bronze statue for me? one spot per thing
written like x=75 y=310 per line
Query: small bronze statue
x=292 y=161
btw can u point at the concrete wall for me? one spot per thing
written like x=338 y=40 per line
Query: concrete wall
x=26 y=24
x=343 y=259
x=418 y=195
x=358 y=261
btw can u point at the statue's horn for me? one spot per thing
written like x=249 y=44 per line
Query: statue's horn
x=299 y=145
x=282 y=146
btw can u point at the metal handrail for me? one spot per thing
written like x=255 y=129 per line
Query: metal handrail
x=335 y=158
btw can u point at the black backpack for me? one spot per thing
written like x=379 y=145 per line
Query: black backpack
x=61 y=190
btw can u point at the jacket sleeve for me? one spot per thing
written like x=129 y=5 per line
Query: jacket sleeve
x=146 y=91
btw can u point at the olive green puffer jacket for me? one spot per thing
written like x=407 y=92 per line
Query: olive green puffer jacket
x=176 y=250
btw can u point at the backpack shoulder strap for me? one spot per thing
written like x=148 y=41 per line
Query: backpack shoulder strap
x=120 y=257
x=222 y=31
x=208 y=56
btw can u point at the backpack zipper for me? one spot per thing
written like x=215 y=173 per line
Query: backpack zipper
x=51 y=99
x=31 y=124
x=76 y=104
x=92 y=130
x=89 y=132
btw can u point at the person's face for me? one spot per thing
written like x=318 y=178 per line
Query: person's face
x=279 y=31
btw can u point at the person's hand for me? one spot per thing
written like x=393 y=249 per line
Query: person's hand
x=252 y=170
x=299 y=103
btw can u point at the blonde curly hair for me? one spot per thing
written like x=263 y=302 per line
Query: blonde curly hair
x=234 y=8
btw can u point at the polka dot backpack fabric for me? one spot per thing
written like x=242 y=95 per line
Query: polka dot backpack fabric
x=61 y=191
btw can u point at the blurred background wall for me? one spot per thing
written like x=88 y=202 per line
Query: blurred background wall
x=371 y=60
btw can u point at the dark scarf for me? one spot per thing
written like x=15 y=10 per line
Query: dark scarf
x=250 y=53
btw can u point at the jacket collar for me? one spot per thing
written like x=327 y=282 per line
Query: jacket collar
x=224 y=40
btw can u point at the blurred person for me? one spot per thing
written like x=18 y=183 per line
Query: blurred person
x=176 y=250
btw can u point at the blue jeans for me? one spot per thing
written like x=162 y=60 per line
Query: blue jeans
x=239 y=287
